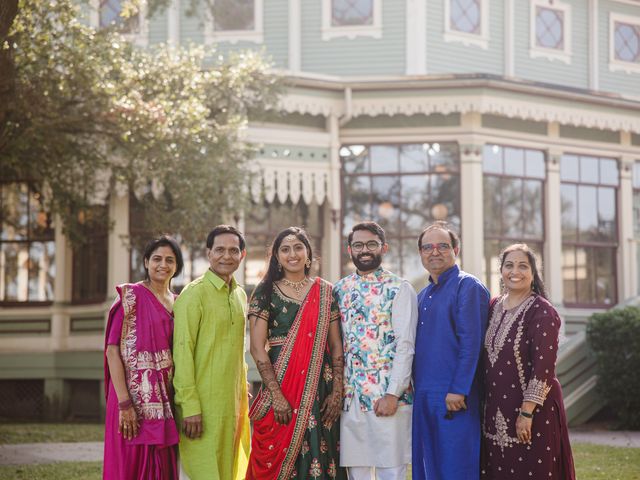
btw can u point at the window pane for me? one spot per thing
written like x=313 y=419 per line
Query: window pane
x=491 y=265
x=607 y=214
x=384 y=158
x=534 y=164
x=492 y=206
x=585 y=273
x=416 y=203
x=465 y=16
x=255 y=265
x=608 y=171
x=636 y=175
x=233 y=15
x=549 y=28
x=412 y=268
x=413 y=158
x=627 y=42
x=355 y=159
x=392 y=261
x=39 y=219
x=351 y=12
x=15 y=271
x=514 y=161
x=357 y=206
x=532 y=209
x=588 y=213
x=589 y=170
x=569 y=168
x=512 y=207
x=445 y=199
x=15 y=198
x=492 y=159
x=41 y=271
x=443 y=157
x=605 y=283
x=385 y=205
x=109 y=13
x=569 y=274
x=636 y=217
x=569 y=205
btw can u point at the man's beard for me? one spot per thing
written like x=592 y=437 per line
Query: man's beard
x=371 y=263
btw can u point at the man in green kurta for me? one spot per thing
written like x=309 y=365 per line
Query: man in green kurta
x=210 y=371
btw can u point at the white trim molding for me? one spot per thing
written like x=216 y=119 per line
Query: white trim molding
x=256 y=35
x=282 y=179
x=416 y=37
x=468 y=39
x=352 y=31
x=616 y=65
x=139 y=37
x=537 y=51
x=594 y=54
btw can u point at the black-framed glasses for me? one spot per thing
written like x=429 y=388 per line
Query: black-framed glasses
x=430 y=247
x=371 y=245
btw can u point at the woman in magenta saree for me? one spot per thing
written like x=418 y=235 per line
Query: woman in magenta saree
x=140 y=431
x=295 y=433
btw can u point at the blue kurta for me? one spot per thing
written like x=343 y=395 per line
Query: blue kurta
x=451 y=325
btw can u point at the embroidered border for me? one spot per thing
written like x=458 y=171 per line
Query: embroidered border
x=516 y=347
x=537 y=391
x=500 y=327
x=312 y=382
x=501 y=437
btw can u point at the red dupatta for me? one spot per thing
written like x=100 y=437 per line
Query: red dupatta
x=274 y=447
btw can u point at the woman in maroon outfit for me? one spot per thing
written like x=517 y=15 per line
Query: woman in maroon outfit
x=524 y=431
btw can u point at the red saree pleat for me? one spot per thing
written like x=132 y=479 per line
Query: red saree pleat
x=274 y=447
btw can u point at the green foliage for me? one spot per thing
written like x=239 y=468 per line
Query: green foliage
x=89 y=111
x=614 y=336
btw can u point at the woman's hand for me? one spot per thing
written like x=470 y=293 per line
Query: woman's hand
x=523 y=429
x=281 y=408
x=331 y=408
x=128 y=425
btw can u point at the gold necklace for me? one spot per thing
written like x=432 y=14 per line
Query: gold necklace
x=297 y=286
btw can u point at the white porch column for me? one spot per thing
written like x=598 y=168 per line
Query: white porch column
x=333 y=213
x=173 y=23
x=61 y=289
x=119 y=256
x=552 y=268
x=471 y=207
x=416 y=37
x=627 y=275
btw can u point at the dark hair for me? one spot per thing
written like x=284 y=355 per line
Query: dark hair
x=536 y=265
x=440 y=225
x=273 y=272
x=222 y=229
x=163 y=241
x=372 y=227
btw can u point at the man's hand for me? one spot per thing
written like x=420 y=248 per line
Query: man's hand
x=192 y=426
x=386 y=406
x=455 y=402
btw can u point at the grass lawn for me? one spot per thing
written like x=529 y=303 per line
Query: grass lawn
x=50 y=432
x=54 y=471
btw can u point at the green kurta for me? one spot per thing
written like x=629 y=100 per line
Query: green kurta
x=211 y=377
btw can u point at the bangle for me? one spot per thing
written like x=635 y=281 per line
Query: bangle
x=526 y=414
x=125 y=404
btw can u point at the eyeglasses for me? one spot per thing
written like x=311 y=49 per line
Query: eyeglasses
x=233 y=252
x=371 y=246
x=430 y=247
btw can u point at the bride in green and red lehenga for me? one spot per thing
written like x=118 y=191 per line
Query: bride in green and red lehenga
x=296 y=344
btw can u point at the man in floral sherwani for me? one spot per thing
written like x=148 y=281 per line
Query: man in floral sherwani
x=379 y=314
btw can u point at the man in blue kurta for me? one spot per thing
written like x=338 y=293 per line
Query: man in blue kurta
x=452 y=320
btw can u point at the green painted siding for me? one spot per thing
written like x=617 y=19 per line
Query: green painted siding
x=616 y=81
x=358 y=56
x=294 y=119
x=514 y=124
x=158 y=27
x=191 y=26
x=544 y=70
x=401 y=121
x=25 y=326
x=454 y=57
x=591 y=134
x=276 y=35
x=635 y=139
x=292 y=152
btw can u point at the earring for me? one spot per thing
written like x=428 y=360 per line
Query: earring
x=279 y=268
x=307 y=263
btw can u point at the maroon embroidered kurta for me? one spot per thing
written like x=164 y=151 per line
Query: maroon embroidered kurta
x=519 y=359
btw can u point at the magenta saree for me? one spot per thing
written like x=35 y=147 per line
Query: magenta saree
x=143 y=329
